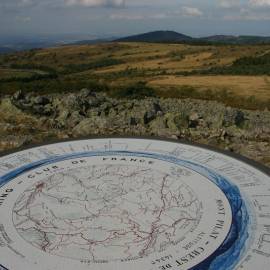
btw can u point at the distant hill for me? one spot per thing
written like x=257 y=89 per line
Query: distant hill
x=21 y=43
x=156 y=36
x=92 y=41
x=237 y=39
x=24 y=46
x=174 y=37
x=4 y=50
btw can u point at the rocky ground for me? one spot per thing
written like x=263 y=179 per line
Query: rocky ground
x=26 y=119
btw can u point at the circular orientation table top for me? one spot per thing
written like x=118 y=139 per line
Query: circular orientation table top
x=132 y=203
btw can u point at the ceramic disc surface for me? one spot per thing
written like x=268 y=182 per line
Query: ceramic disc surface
x=132 y=203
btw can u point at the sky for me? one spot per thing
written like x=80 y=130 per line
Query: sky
x=103 y=18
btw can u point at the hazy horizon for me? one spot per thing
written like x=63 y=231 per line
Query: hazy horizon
x=105 y=18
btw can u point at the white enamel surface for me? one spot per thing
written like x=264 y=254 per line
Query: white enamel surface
x=132 y=220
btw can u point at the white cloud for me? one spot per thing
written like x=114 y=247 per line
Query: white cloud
x=159 y=16
x=17 y=3
x=250 y=10
x=23 y=19
x=249 y=14
x=230 y=3
x=182 y=12
x=191 y=12
x=247 y=17
x=260 y=3
x=96 y=3
x=26 y=2
x=137 y=17
x=130 y=17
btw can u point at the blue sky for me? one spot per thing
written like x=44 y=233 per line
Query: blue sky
x=123 y=17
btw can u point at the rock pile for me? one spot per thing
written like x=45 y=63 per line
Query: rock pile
x=89 y=113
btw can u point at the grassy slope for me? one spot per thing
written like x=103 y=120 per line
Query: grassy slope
x=120 y=64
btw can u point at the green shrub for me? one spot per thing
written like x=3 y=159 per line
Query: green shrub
x=258 y=65
x=34 y=66
x=34 y=77
x=176 y=55
x=52 y=86
x=138 y=90
x=224 y=96
x=104 y=62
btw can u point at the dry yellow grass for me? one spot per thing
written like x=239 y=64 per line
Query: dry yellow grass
x=7 y=73
x=189 y=63
x=147 y=62
x=258 y=86
x=157 y=56
x=142 y=56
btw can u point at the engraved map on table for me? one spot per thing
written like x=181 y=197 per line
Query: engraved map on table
x=128 y=213
x=138 y=203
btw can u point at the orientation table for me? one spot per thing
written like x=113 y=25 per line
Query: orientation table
x=132 y=203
